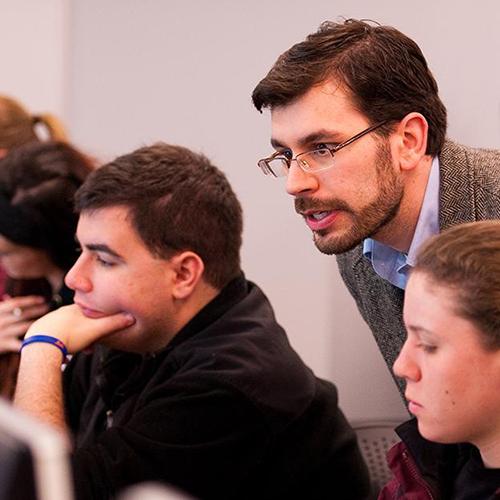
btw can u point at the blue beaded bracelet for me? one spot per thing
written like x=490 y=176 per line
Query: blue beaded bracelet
x=47 y=339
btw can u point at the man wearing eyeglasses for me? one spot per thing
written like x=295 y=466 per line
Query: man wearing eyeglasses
x=359 y=131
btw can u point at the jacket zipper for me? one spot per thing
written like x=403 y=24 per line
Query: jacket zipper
x=414 y=472
x=109 y=419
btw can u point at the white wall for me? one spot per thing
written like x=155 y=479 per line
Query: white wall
x=33 y=53
x=183 y=71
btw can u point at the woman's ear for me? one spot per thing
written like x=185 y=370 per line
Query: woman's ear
x=411 y=136
x=188 y=270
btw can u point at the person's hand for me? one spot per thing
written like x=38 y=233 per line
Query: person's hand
x=76 y=330
x=16 y=316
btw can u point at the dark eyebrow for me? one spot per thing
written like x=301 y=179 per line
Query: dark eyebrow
x=100 y=247
x=322 y=135
x=276 y=144
x=319 y=136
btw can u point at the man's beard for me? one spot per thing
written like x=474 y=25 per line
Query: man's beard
x=367 y=221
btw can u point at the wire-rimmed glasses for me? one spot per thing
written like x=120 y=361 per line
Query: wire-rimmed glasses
x=310 y=161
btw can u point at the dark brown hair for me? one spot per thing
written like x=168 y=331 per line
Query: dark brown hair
x=384 y=70
x=18 y=126
x=466 y=258
x=178 y=201
x=37 y=185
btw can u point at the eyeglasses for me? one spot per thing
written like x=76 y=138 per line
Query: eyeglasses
x=315 y=160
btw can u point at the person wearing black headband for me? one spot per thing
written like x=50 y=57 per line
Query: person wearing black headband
x=37 y=227
x=18 y=127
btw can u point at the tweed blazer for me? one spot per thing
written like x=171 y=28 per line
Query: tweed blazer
x=469 y=191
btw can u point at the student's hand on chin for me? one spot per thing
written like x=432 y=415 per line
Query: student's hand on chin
x=75 y=330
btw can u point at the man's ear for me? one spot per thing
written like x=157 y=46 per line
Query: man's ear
x=3 y=152
x=411 y=140
x=188 y=269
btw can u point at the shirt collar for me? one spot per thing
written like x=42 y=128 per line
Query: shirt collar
x=393 y=265
x=428 y=220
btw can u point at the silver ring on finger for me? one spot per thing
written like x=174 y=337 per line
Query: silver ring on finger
x=17 y=312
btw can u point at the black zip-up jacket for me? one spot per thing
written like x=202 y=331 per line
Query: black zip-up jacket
x=227 y=411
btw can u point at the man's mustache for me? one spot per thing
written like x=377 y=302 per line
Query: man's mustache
x=304 y=204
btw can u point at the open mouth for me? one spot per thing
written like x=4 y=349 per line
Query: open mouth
x=319 y=215
x=321 y=219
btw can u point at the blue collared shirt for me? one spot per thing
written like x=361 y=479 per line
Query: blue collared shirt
x=393 y=265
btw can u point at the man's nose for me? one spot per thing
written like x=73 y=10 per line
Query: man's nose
x=76 y=278
x=299 y=182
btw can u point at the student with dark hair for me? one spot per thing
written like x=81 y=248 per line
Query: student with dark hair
x=359 y=131
x=37 y=225
x=192 y=381
x=19 y=127
x=451 y=364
